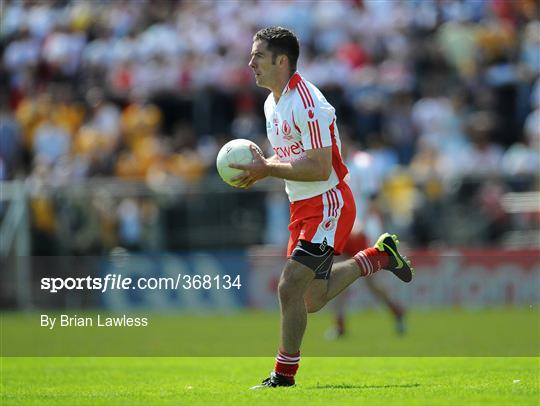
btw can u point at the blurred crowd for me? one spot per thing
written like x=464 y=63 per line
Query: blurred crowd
x=434 y=90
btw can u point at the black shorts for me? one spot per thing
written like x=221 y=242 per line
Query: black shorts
x=317 y=257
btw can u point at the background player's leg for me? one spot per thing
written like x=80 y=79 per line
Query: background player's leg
x=356 y=241
x=380 y=293
x=395 y=308
x=338 y=305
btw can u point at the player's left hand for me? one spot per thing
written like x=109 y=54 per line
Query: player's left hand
x=253 y=172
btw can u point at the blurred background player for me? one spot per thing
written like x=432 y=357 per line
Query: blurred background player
x=368 y=226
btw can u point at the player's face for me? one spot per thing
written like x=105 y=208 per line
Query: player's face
x=261 y=63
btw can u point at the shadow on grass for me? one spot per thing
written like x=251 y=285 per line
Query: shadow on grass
x=410 y=385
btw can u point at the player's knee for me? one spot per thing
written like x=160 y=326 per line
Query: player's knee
x=315 y=298
x=292 y=284
x=314 y=305
x=287 y=291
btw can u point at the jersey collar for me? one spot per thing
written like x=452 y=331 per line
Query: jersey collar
x=293 y=81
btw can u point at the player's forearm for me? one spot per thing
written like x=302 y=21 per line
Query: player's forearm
x=303 y=170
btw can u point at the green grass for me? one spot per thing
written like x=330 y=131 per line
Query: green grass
x=322 y=381
x=442 y=333
x=450 y=357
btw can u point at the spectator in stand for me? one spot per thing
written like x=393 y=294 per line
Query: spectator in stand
x=483 y=157
x=10 y=142
x=412 y=71
x=21 y=56
x=524 y=157
x=51 y=142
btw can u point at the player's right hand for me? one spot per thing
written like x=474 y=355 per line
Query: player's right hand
x=253 y=172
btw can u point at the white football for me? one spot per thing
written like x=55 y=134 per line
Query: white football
x=234 y=152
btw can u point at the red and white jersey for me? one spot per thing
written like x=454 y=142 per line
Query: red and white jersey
x=303 y=120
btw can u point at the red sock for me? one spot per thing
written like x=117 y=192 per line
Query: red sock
x=287 y=364
x=371 y=260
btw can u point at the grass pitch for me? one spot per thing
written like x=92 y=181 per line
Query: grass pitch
x=225 y=381
x=436 y=333
x=442 y=360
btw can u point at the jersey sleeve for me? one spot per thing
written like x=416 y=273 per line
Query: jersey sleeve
x=313 y=118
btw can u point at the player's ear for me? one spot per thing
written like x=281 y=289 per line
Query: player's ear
x=283 y=60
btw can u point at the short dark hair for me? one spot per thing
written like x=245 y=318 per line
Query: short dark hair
x=280 y=41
